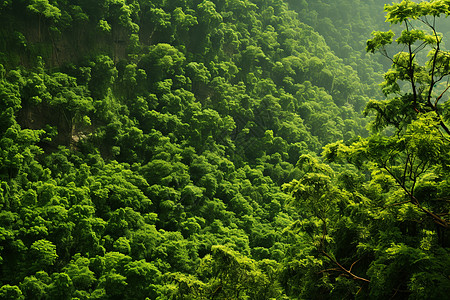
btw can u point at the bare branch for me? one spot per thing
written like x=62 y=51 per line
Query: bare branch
x=344 y=270
x=443 y=214
x=420 y=47
x=411 y=69
x=442 y=94
x=433 y=68
x=351 y=267
x=408 y=157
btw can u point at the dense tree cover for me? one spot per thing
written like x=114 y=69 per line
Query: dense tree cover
x=386 y=236
x=170 y=150
x=345 y=26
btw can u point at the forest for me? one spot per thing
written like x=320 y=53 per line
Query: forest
x=224 y=149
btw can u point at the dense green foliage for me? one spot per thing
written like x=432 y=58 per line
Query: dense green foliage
x=170 y=149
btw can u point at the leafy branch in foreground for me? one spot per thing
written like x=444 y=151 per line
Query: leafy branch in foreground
x=419 y=75
x=413 y=112
x=318 y=198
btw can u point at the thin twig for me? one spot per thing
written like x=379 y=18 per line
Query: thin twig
x=440 y=96
x=342 y=268
x=351 y=267
x=396 y=204
x=328 y=270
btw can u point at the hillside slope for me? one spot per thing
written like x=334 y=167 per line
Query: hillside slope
x=150 y=149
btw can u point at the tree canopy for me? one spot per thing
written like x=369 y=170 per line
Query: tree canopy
x=224 y=149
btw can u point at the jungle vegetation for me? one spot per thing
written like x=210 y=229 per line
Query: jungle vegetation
x=224 y=149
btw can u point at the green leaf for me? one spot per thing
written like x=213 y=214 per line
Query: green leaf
x=400 y=12
x=379 y=40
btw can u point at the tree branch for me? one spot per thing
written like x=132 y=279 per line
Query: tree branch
x=433 y=68
x=411 y=69
x=344 y=270
x=440 y=96
x=438 y=220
